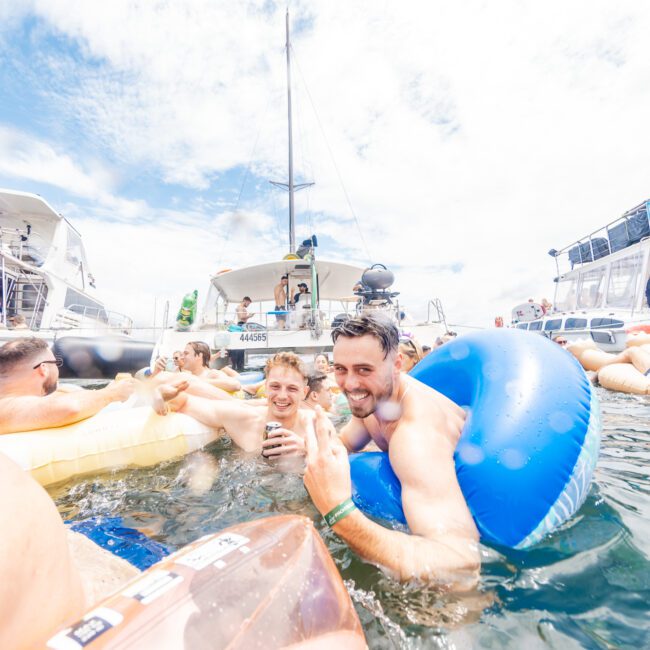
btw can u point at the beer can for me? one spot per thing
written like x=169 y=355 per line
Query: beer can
x=271 y=426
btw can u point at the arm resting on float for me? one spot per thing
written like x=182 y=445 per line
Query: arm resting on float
x=221 y=380
x=443 y=545
x=29 y=413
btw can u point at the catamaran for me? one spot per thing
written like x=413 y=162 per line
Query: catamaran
x=335 y=291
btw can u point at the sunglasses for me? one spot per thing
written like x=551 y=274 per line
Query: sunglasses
x=562 y=342
x=58 y=361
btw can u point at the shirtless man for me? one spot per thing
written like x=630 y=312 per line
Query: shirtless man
x=29 y=399
x=280 y=293
x=419 y=428
x=242 y=311
x=285 y=390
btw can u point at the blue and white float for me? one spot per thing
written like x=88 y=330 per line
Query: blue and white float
x=530 y=443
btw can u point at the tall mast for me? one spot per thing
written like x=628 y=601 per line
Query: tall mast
x=292 y=228
x=291 y=187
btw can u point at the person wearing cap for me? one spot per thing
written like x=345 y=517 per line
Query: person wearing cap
x=280 y=294
x=303 y=291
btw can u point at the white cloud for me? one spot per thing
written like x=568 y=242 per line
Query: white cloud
x=466 y=133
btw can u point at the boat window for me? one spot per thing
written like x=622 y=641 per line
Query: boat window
x=536 y=325
x=74 y=249
x=590 y=291
x=609 y=323
x=575 y=323
x=565 y=295
x=554 y=324
x=623 y=278
x=522 y=326
x=82 y=304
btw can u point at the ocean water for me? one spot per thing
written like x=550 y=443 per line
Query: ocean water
x=586 y=586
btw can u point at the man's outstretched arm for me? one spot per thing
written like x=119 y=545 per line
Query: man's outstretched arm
x=443 y=546
x=28 y=413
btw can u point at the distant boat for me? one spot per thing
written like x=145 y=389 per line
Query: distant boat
x=48 y=291
x=602 y=287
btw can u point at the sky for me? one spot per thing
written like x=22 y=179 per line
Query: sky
x=455 y=142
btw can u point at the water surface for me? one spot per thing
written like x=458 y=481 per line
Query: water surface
x=586 y=586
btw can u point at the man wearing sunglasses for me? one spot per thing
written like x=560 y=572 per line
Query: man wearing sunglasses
x=419 y=428
x=29 y=399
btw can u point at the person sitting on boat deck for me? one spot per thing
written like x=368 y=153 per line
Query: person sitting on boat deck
x=285 y=389
x=29 y=400
x=18 y=322
x=318 y=393
x=419 y=428
x=303 y=292
x=242 y=311
x=280 y=294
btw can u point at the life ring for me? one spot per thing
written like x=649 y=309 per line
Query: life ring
x=530 y=443
x=112 y=438
x=290 y=256
x=223 y=271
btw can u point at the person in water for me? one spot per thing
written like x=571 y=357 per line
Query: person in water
x=419 y=428
x=29 y=395
x=285 y=388
x=318 y=393
x=196 y=360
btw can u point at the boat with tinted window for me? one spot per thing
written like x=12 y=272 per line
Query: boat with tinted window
x=602 y=287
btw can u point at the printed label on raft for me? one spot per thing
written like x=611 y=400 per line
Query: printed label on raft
x=86 y=630
x=152 y=586
x=211 y=551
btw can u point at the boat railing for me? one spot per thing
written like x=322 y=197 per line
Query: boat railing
x=25 y=246
x=435 y=312
x=306 y=318
x=628 y=229
x=89 y=317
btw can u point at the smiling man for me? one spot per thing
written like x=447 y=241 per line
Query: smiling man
x=29 y=395
x=286 y=388
x=419 y=428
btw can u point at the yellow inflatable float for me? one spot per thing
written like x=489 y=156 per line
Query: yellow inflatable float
x=114 y=438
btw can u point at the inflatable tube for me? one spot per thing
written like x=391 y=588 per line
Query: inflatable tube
x=101 y=356
x=530 y=443
x=250 y=377
x=625 y=378
x=124 y=437
x=269 y=583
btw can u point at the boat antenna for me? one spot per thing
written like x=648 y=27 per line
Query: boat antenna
x=291 y=187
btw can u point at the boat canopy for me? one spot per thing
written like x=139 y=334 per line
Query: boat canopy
x=335 y=279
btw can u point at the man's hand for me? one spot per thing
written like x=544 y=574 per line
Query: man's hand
x=121 y=390
x=166 y=393
x=327 y=477
x=159 y=366
x=288 y=443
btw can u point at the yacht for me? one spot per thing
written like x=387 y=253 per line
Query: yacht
x=602 y=287
x=48 y=291
x=335 y=291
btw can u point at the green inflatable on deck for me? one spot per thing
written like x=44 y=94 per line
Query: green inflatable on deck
x=187 y=312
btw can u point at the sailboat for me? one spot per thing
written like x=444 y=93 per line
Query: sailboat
x=336 y=291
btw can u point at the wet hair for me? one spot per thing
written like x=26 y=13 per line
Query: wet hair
x=315 y=383
x=202 y=349
x=285 y=360
x=246 y=298
x=15 y=352
x=375 y=325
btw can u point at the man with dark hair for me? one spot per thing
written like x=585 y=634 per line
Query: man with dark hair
x=318 y=393
x=419 y=428
x=280 y=295
x=29 y=400
x=285 y=389
x=242 y=311
x=196 y=360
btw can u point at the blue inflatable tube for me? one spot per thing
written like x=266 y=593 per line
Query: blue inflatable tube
x=530 y=442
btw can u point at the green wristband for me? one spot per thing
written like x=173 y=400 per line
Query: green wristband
x=339 y=512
